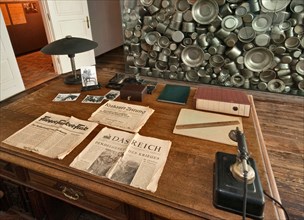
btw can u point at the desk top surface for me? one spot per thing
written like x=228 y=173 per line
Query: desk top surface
x=186 y=185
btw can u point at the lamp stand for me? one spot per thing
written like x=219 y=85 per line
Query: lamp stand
x=74 y=78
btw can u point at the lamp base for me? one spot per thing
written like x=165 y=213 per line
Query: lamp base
x=87 y=88
x=72 y=80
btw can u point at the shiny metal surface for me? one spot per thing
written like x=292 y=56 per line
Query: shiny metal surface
x=300 y=67
x=192 y=56
x=217 y=60
x=262 y=22
x=192 y=76
x=276 y=85
x=274 y=6
x=262 y=40
x=246 y=34
x=234 y=43
x=267 y=75
x=258 y=59
x=152 y=37
x=230 y=23
x=292 y=43
x=205 y=11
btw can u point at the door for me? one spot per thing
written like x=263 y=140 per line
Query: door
x=10 y=77
x=66 y=17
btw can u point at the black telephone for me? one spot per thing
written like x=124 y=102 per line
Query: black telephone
x=228 y=190
x=116 y=82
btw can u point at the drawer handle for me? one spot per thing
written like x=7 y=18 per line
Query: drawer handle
x=70 y=193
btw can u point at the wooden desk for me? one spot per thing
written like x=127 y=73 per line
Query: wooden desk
x=185 y=187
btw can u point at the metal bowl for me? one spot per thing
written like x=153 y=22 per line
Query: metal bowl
x=230 y=23
x=300 y=67
x=296 y=6
x=217 y=60
x=261 y=22
x=205 y=11
x=192 y=56
x=163 y=41
x=246 y=34
x=276 y=85
x=267 y=75
x=274 y=6
x=146 y=3
x=292 y=43
x=192 y=76
x=182 y=5
x=152 y=37
x=258 y=59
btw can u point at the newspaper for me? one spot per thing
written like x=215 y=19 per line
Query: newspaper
x=125 y=157
x=121 y=115
x=52 y=135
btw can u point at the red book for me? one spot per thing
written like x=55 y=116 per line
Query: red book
x=222 y=100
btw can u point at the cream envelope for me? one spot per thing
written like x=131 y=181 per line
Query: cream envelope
x=217 y=134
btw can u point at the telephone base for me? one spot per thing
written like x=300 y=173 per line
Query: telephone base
x=228 y=192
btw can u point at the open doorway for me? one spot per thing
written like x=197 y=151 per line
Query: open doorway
x=27 y=34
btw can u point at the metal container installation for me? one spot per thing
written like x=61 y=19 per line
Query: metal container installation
x=245 y=44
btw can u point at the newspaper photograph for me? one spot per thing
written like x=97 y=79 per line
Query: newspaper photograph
x=52 y=135
x=121 y=115
x=103 y=151
x=126 y=158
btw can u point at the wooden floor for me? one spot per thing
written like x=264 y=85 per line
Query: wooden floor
x=282 y=121
x=35 y=68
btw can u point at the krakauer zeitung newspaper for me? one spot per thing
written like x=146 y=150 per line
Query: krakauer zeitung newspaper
x=52 y=135
x=126 y=158
x=120 y=115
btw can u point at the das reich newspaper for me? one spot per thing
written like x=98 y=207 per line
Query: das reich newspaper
x=125 y=157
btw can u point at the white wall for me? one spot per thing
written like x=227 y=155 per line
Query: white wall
x=106 y=24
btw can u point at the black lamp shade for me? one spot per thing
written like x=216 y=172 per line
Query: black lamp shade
x=69 y=46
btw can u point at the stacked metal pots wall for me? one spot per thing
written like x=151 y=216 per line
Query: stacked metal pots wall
x=256 y=44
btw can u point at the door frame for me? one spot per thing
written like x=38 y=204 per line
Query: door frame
x=49 y=32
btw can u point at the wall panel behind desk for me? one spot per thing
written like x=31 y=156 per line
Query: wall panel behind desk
x=26 y=29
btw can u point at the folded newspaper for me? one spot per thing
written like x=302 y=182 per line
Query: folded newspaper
x=121 y=115
x=125 y=157
x=52 y=135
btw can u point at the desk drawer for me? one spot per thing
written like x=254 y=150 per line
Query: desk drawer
x=12 y=171
x=86 y=199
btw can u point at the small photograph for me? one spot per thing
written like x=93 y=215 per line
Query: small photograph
x=112 y=95
x=93 y=99
x=88 y=76
x=66 y=97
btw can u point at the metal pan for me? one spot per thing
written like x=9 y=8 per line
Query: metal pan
x=152 y=37
x=205 y=11
x=261 y=23
x=258 y=59
x=300 y=67
x=229 y=23
x=146 y=3
x=192 y=75
x=274 y=6
x=192 y=56
x=182 y=5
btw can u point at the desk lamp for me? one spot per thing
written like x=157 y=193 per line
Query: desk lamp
x=70 y=46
